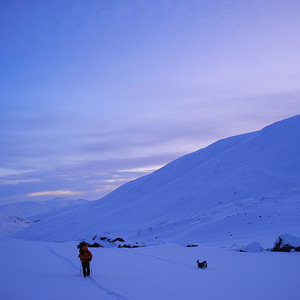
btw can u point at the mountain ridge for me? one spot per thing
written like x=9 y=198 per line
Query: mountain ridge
x=28 y=209
x=227 y=172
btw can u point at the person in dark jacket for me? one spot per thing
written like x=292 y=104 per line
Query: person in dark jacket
x=85 y=256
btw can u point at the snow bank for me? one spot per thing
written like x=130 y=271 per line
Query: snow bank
x=252 y=247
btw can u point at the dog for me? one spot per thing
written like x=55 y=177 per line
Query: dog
x=202 y=265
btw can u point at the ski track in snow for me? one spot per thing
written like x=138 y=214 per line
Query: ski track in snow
x=104 y=291
x=159 y=258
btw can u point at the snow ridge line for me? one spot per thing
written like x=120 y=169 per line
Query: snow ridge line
x=111 y=293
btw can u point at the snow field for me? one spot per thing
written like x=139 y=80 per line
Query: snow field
x=39 y=270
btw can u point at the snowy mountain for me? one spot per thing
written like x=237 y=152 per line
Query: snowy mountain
x=243 y=190
x=242 y=185
x=28 y=209
x=11 y=224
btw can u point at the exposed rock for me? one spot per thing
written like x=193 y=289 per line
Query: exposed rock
x=287 y=243
x=95 y=245
x=112 y=242
x=129 y=246
x=118 y=239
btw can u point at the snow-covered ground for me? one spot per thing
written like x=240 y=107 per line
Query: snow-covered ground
x=40 y=270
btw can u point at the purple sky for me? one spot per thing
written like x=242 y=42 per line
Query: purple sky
x=96 y=93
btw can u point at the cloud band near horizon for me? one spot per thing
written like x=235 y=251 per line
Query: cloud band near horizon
x=90 y=89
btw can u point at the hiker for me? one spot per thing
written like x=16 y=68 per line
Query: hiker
x=86 y=256
x=80 y=245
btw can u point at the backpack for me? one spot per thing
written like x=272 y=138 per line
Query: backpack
x=85 y=255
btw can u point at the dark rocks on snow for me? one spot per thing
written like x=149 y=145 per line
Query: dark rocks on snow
x=118 y=239
x=129 y=246
x=95 y=245
x=109 y=241
x=287 y=243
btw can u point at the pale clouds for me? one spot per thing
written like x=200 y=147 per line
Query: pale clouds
x=54 y=193
x=18 y=181
x=95 y=93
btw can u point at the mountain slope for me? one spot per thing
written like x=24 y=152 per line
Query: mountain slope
x=10 y=224
x=229 y=173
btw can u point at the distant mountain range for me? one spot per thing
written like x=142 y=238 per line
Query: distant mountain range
x=28 y=209
x=242 y=185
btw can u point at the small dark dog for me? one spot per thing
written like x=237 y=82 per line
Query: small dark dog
x=202 y=265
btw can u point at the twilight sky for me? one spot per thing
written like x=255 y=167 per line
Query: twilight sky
x=98 y=92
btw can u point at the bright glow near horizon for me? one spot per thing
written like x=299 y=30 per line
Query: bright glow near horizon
x=92 y=88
